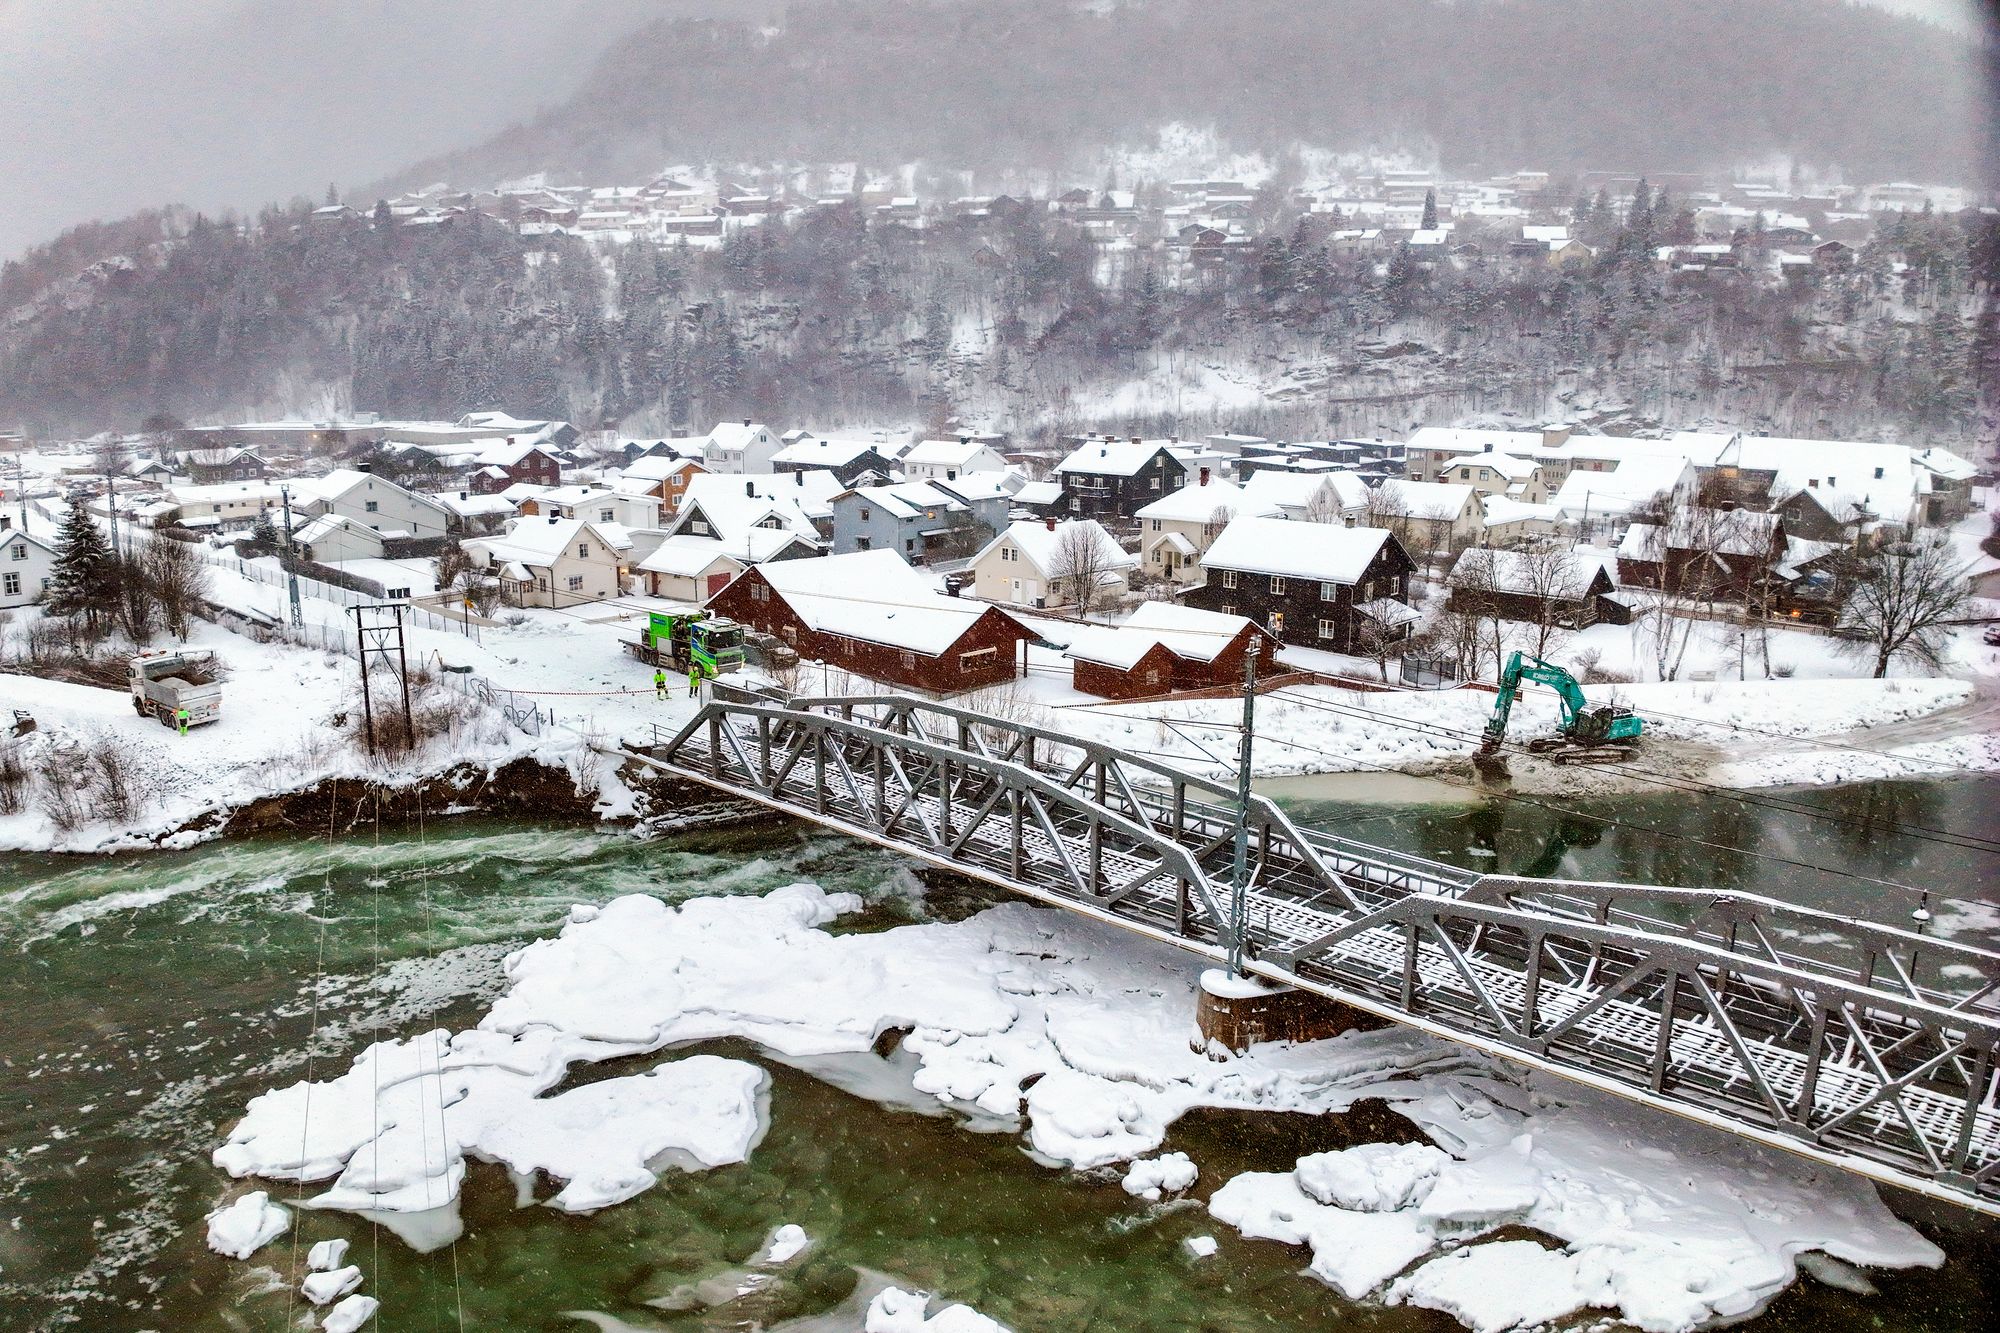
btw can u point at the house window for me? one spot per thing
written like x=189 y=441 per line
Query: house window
x=1329 y=592
x=576 y=583
x=604 y=516
x=1329 y=629
x=1277 y=585
x=1156 y=482
x=908 y=659
x=979 y=659
x=1465 y=474
x=1228 y=578
x=1229 y=608
x=1075 y=505
x=863 y=543
x=19 y=550
x=909 y=545
x=13 y=585
x=371 y=506
x=1156 y=525
x=866 y=514
x=541 y=583
x=583 y=550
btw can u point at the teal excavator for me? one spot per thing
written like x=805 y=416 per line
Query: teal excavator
x=1583 y=734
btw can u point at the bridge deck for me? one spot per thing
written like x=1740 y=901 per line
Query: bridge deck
x=1640 y=991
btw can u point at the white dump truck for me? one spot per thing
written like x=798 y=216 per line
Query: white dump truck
x=166 y=681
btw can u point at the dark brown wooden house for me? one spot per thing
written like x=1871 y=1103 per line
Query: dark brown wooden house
x=1166 y=647
x=1114 y=479
x=1317 y=585
x=869 y=613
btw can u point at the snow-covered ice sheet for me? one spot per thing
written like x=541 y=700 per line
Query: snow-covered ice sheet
x=241 y=1228
x=1085 y=1035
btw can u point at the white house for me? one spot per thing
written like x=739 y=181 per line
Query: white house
x=1176 y=528
x=1027 y=566
x=551 y=561
x=225 y=505
x=737 y=447
x=374 y=502
x=331 y=538
x=948 y=460
x=600 y=504
x=26 y=563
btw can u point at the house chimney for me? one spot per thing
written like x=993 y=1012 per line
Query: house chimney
x=552 y=517
x=1204 y=477
x=1554 y=435
x=750 y=489
x=1486 y=448
x=746 y=421
x=965 y=439
x=463 y=495
x=1051 y=522
x=799 y=479
x=1136 y=440
x=1347 y=520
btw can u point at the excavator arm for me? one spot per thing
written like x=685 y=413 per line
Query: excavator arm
x=1579 y=723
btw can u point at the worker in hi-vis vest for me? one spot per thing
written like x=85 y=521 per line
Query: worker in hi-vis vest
x=694 y=680
x=181 y=720
x=659 y=682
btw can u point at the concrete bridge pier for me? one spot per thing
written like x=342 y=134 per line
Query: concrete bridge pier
x=1238 y=1012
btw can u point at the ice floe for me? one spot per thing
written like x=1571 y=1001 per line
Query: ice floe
x=241 y=1228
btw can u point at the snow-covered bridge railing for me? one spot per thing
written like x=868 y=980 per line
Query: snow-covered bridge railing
x=1870 y=1047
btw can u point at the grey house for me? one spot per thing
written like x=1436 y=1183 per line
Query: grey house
x=918 y=520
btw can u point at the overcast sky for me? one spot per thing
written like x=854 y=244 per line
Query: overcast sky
x=107 y=106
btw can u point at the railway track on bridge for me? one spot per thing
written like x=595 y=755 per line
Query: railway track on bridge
x=1858 y=1044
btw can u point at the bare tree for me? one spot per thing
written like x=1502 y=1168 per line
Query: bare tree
x=1659 y=630
x=1902 y=604
x=963 y=536
x=1549 y=578
x=1324 y=506
x=177 y=578
x=449 y=566
x=1080 y=563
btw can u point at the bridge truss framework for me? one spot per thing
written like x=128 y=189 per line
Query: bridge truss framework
x=1873 y=1052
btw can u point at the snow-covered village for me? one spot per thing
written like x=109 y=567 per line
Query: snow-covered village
x=1010 y=707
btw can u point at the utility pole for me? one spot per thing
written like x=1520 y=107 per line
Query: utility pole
x=291 y=571
x=378 y=637
x=1239 y=886
x=111 y=507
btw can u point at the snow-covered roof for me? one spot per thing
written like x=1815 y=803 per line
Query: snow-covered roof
x=223 y=492
x=815 y=452
x=1039 y=493
x=1192 y=633
x=1558 y=574
x=1294 y=492
x=470 y=505
x=1040 y=544
x=1467 y=440
x=538 y=542
x=1197 y=503
x=1423 y=499
x=1634 y=483
x=735 y=434
x=658 y=467
x=1507 y=465
x=687 y=557
x=1947 y=464
x=1502 y=510
x=1388 y=612
x=735 y=503
x=909 y=499
x=874 y=596
x=1321 y=551
x=1845 y=477
x=1111 y=645
x=944 y=453
x=1113 y=458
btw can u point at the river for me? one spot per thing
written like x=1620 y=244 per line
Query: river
x=146 y=999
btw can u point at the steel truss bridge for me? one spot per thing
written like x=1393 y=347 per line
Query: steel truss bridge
x=1873 y=1052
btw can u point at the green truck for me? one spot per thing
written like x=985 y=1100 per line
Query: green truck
x=683 y=638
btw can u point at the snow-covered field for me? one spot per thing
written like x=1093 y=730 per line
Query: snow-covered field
x=1084 y=1040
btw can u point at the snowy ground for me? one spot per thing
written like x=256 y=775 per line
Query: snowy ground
x=1819 y=725
x=1081 y=1038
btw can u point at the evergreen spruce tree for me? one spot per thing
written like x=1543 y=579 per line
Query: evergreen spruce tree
x=84 y=583
x=1430 y=210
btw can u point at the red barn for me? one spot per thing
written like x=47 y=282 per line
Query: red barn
x=1163 y=647
x=873 y=615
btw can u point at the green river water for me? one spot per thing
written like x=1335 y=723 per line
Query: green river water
x=143 y=1000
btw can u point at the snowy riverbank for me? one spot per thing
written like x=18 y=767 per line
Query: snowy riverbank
x=1079 y=1037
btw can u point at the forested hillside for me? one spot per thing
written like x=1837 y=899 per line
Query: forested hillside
x=1490 y=85
x=831 y=321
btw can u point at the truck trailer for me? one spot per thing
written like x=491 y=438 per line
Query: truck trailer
x=166 y=681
